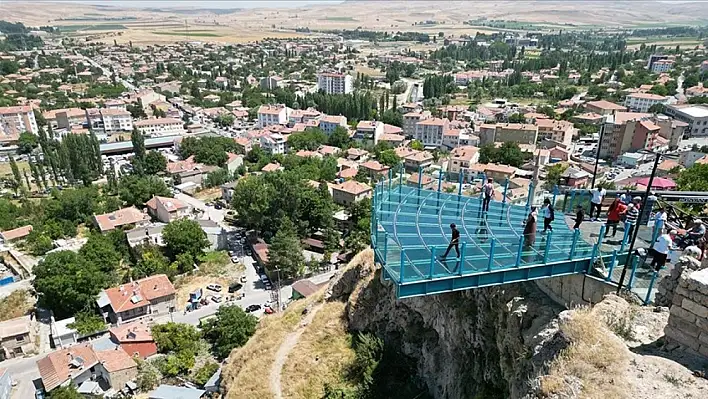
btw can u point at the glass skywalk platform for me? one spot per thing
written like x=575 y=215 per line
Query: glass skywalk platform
x=410 y=233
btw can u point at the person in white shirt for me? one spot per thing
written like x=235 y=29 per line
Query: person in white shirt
x=662 y=246
x=598 y=194
x=659 y=219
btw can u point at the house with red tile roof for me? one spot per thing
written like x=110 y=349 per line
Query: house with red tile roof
x=120 y=218
x=152 y=295
x=15 y=234
x=349 y=192
x=135 y=339
x=167 y=209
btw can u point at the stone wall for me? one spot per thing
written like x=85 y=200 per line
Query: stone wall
x=575 y=289
x=688 y=317
x=668 y=284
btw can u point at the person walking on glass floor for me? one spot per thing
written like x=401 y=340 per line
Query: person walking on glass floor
x=454 y=242
x=549 y=215
x=487 y=194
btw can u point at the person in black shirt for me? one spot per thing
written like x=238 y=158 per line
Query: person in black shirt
x=454 y=242
x=579 y=217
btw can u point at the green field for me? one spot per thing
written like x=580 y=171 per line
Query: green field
x=76 y=28
x=191 y=34
x=652 y=39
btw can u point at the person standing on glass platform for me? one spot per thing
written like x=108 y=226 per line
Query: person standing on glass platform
x=487 y=194
x=455 y=242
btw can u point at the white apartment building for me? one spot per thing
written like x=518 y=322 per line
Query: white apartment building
x=369 y=131
x=453 y=138
x=160 y=127
x=661 y=66
x=15 y=120
x=410 y=119
x=274 y=143
x=460 y=160
x=641 y=102
x=430 y=131
x=272 y=115
x=109 y=121
x=696 y=116
x=335 y=83
x=330 y=122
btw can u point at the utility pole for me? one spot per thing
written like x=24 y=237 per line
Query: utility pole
x=628 y=261
x=277 y=295
x=597 y=153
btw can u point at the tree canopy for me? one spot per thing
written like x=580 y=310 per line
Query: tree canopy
x=285 y=252
x=231 y=329
x=207 y=150
x=311 y=139
x=184 y=236
x=137 y=190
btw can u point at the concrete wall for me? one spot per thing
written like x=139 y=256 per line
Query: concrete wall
x=688 y=317
x=568 y=290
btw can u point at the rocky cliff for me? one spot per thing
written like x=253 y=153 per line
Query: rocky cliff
x=478 y=343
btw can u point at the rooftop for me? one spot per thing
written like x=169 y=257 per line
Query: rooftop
x=138 y=293
x=121 y=217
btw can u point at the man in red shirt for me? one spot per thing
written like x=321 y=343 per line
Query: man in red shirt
x=617 y=208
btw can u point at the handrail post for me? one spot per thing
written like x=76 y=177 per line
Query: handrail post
x=549 y=236
x=440 y=174
x=400 y=179
x=420 y=177
x=506 y=188
x=518 y=253
x=390 y=177
x=651 y=287
x=612 y=265
x=432 y=261
x=626 y=235
x=492 y=244
x=459 y=181
x=634 y=271
x=403 y=262
x=385 y=247
x=572 y=200
x=555 y=193
x=602 y=234
x=573 y=245
x=462 y=257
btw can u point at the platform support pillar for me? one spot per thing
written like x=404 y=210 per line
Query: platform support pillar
x=462 y=257
x=518 y=253
x=613 y=260
x=506 y=188
x=546 y=251
x=574 y=244
x=492 y=244
x=403 y=263
x=432 y=261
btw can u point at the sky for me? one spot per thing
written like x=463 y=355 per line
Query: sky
x=204 y=3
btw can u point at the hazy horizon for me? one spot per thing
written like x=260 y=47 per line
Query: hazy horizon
x=225 y=4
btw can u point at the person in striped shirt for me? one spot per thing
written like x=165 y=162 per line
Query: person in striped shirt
x=630 y=216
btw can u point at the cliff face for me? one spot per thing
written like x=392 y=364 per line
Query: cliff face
x=478 y=343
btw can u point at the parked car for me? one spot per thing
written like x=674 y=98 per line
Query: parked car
x=217 y=298
x=243 y=280
x=235 y=287
x=234 y=259
x=217 y=206
x=252 y=308
x=214 y=287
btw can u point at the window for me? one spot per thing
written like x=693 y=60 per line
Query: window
x=20 y=338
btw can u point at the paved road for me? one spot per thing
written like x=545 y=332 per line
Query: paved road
x=109 y=74
x=210 y=212
x=24 y=371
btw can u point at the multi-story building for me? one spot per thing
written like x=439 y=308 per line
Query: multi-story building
x=166 y=209
x=120 y=218
x=68 y=118
x=109 y=121
x=160 y=127
x=275 y=143
x=328 y=123
x=411 y=119
x=460 y=160
x=272 y=115
x=430 y=131
x=558 y=131
x=641 y=102
x=627 y=131
x=654 y=58
x=662 y=66
x=334 y=83
x=131 y=301
x=603 y=107
x=271 y=82
x=520 y=133
x=15 y=120
x=349 y=192
x=369 y=131
x=696 y=116
x=16 y=337
x=303 y=115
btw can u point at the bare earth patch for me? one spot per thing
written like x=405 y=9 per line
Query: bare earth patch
x=17 y=304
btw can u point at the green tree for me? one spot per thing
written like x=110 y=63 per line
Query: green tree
x=66 y=283
x=185 y=236
x=417 y=145
x=137 y=190
x=694 y=178
x=339 y=138
x=225 y=120
x=389 y=158
x=148 y=376
x=67 y=392
x=231 y=328
x=553 y=175
x=153 y=262
x=285 y=252
x=205 y=372
x=657 y=108
x=138 y=141
x=88 y=323
x=311 y=139
x=26 y=143
x=16 y=173
x=217 y=178
x=154 y=163
x=100 y=251
x=176 y=337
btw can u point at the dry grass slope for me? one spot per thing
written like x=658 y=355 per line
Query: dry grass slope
x=321 y=355
x=17 y=304
x=592 y=366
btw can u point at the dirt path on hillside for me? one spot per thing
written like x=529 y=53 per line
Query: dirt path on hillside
x=285 y=347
